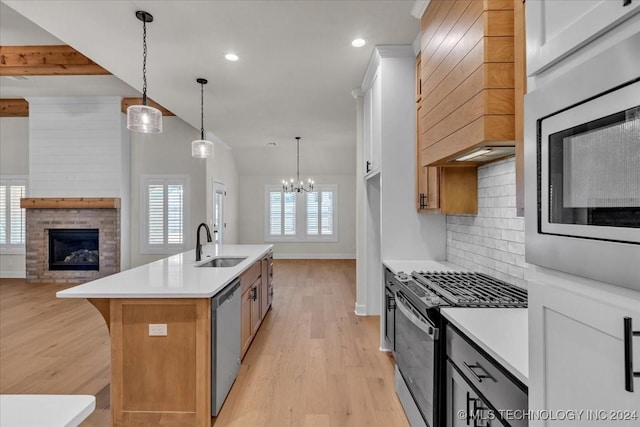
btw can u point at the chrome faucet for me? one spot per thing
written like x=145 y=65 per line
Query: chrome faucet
x=198 y=245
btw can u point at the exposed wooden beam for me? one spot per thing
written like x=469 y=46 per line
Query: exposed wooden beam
x=14 y=108
x=70 y=203
x=126 y=102
x=20 y=107
x=61 y=60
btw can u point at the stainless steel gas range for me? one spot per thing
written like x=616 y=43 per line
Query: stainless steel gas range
x=418 y=338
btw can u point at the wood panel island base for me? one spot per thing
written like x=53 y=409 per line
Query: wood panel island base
x=159 y=318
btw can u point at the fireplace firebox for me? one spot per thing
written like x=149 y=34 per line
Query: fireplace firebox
x=73 y=249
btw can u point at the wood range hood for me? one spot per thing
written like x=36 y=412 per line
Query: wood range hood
x=469 y=91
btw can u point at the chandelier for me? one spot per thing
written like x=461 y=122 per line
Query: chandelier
x=290 y=187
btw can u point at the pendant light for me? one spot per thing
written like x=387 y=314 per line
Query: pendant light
x=202 y=148
x=297 y=185
x=144 y=118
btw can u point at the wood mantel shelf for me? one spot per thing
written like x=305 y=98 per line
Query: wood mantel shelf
x=70 y=203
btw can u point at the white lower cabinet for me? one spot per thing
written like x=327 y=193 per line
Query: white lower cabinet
x=577 y=355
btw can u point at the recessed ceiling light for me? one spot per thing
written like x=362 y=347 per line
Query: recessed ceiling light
x=231 y=57
x=358 y=43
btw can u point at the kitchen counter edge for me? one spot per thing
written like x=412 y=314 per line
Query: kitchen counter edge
x=176 y=276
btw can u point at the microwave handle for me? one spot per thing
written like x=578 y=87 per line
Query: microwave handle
x=423 y=324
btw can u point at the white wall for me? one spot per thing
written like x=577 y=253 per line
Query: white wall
x=166 y=153
x=75 y=147
x=252 y=218
x=222 y=168
x=14 y=160
x=492 y=241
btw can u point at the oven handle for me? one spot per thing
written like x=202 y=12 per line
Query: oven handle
x=423 y=324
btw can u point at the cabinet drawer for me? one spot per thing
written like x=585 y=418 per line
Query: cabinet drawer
x=486 y=376
x=249 y=277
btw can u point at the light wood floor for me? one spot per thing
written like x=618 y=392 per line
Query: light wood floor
x=313 y=362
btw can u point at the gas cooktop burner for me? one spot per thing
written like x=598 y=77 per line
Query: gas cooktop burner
x=471 y=289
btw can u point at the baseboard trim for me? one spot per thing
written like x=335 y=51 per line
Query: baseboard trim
x=314 y=256
x=13 y=274
x=360 y=310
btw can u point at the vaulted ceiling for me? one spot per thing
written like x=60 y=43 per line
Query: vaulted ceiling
x=294 y=77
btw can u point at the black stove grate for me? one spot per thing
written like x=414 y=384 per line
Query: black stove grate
x=472 y=289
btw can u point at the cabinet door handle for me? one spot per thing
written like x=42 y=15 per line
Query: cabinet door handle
x=368 y=166
x=423 y=201
x=475 y=375
x=629 y=373
x=254 y=293
x=626 y=3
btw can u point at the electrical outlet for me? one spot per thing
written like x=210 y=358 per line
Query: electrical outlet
x=157 y=329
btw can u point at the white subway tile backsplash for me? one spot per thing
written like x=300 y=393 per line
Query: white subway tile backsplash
x=492 y=241
x=516 y=247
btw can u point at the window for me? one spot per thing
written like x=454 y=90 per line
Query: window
x=304 y=217
x=164 y=215
x=12 y=216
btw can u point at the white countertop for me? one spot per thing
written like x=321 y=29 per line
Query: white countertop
x=44 y=410
x=174 y=277
x=407 y=266
x=501 y=332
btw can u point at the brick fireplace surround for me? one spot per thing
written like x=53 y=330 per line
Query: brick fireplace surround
x=43 y=214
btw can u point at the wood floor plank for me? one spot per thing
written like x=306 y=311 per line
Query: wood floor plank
x=313 y=363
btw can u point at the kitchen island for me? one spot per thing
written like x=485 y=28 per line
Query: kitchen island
x=159 y=319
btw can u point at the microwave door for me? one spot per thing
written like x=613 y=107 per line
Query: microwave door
x=589 y=169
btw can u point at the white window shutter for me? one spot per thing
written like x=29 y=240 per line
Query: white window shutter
x=155 y=224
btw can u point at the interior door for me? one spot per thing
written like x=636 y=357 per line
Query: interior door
x=219 y=223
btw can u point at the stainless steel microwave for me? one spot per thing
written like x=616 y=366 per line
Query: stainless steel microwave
x=582 y=169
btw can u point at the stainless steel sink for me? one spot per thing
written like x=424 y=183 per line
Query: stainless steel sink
x=223 y=262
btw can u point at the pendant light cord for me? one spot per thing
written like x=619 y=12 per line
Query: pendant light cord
x=144 y=62
x=201 y=110
x=298 y=170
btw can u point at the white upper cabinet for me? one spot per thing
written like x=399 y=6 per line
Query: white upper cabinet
x=373 y=124
x=387 y=93
x=557 y=28
x=577 y=348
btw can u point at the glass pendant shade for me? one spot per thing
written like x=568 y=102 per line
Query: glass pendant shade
x=144 y=119
x=202 y=148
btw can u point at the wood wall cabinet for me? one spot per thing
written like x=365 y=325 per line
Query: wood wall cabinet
x=467 y=78
x=441 y=190
x=470 y=84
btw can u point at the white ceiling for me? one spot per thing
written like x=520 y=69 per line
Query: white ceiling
x=294 y=77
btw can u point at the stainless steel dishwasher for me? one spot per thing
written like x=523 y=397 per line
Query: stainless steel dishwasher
x=225 y=343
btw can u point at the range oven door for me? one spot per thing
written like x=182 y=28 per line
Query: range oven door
x=416 y=340
x=590 y=168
